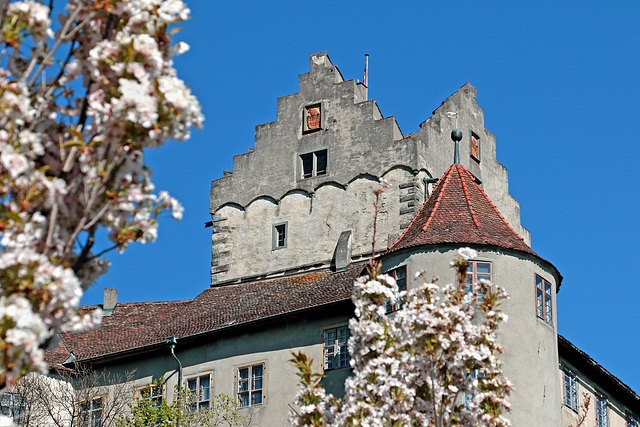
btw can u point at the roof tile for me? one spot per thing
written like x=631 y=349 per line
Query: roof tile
x=459 y=211
x=135 y=325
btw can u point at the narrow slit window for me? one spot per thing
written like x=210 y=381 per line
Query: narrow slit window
x=279 y=236
x=544 y=301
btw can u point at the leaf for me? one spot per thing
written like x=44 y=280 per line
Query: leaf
x=73 y=143
x=14 y=216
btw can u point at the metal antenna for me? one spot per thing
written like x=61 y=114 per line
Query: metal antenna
x=365 y=79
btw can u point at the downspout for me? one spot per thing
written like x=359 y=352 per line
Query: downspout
x=172 y=344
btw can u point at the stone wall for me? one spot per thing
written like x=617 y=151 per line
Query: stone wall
x=268 y=187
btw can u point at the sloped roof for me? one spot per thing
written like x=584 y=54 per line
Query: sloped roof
x=142 y=324
x=459 y=212
x=598 y=374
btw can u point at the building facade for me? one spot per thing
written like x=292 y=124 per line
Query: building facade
x=291 y=230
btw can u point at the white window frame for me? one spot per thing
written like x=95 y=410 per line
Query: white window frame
x=571 y=390
x=92 y=416
x=284 y=226
x=255 y=385
x=602 y=411
x=15 y=407
x=402 y=286
x=201 y=395
x=335 y=348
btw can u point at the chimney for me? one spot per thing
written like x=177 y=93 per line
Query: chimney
x=110 y=301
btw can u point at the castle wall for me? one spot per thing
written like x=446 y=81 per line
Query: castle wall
x=267 y=186
x=530 y=344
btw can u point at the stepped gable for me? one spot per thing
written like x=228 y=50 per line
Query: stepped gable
x=459 y=212
x=147 y=325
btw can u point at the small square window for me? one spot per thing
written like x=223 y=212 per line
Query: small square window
x=336 y=351
x=153 y=393
x=544 y=301
x=312 y=118
x=400 y=275
x=314 y=164
x=250 y=385
x=478 y=271
x=199 y=392
x=279 y=236
x=474 y=147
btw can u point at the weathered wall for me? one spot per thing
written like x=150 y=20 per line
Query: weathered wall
x=270 y=344
x=588 y=388
x=531 y=354
x=266 y=186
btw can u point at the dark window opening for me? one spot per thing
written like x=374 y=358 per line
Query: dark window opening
x=281 y=236
x=307 y=165
x=314 y=164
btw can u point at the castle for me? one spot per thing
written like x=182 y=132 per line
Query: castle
x=291 y=227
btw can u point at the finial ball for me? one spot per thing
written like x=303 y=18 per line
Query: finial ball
x=456 y=135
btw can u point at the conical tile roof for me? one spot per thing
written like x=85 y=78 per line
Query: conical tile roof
x=459 y=212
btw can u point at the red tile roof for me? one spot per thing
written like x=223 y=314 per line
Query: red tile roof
x=142 y=324
x=459 y=212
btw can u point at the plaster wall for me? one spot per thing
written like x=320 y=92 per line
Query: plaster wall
x=221 y=357
x=530 y=345
x=587 y=388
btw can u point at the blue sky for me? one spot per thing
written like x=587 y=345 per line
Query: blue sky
x=560 y=88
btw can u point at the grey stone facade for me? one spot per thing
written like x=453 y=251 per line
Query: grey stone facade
x=268 y=187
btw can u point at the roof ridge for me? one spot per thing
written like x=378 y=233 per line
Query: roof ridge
x=437 y=202
x=466 y=195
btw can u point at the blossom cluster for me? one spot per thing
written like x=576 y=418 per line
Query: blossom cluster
x=434 y=362
x=80 y=101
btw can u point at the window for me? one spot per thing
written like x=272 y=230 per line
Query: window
x=477 y=271
x=250 y=387
x=15 y=407
x=279 y=236
x=91 y=412
x=467 y=398
x=200 y=392
x=632 y=421
x=336 y=352
x=602 y=412
x=314 y=164
x=152 y=393
x=570 y=390
x=312 y=118
x=475 y=147
x=544 y=308
x=400 y=274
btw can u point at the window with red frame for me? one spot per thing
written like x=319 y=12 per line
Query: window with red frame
x=544 y=305
x=400 y=274
x=477 y=271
